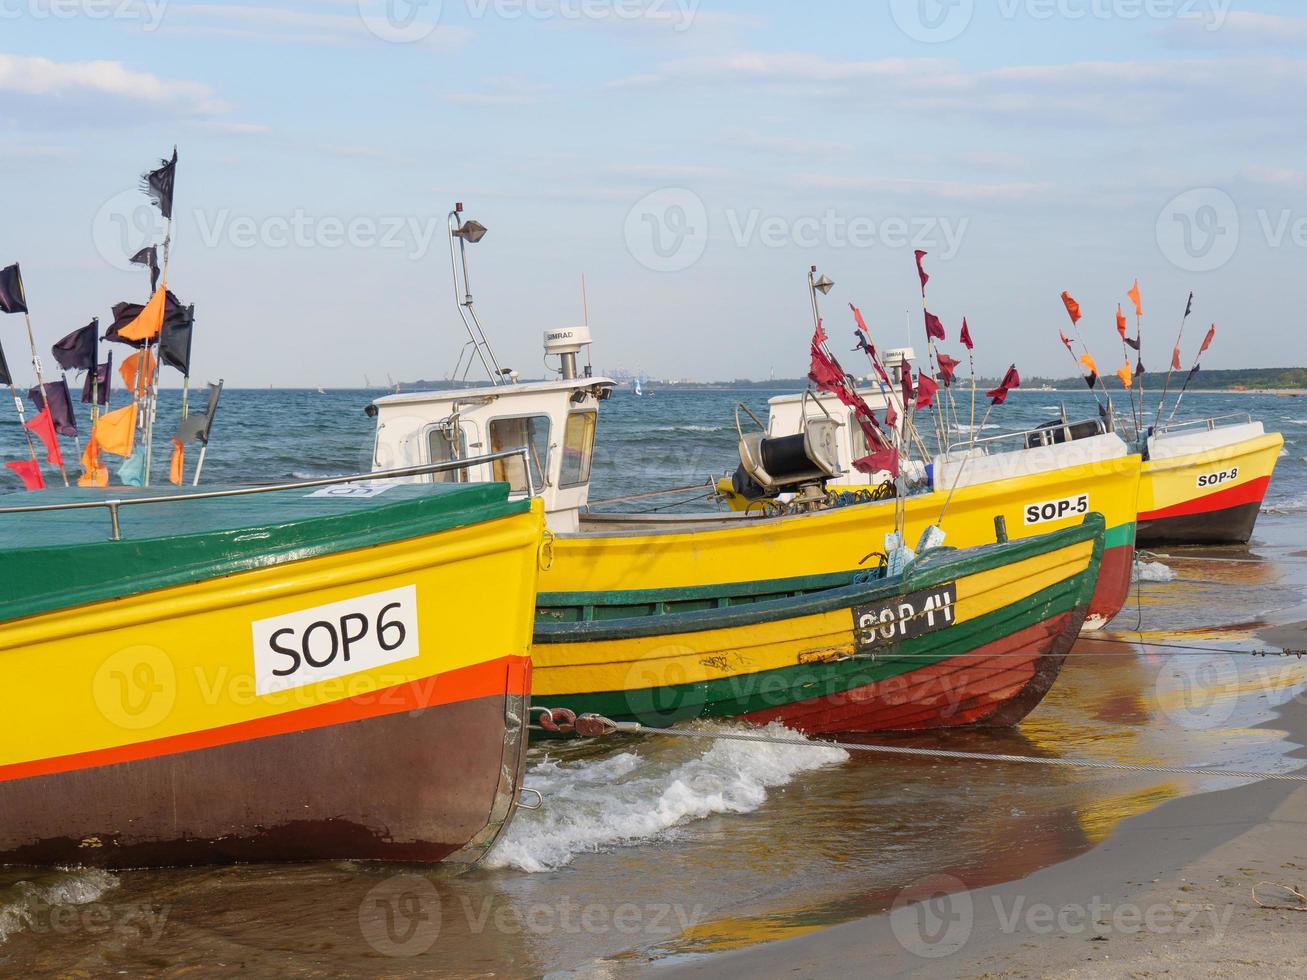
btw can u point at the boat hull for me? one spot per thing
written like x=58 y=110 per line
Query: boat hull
x=1209 y=497
x=790 y=650
x=635 y=554
x=141 y=732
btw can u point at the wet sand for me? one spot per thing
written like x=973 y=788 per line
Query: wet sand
x=1169 y=893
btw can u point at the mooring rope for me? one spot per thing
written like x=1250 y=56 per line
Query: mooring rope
x=605 y=727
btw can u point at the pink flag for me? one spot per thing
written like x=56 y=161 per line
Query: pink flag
x=921 y=271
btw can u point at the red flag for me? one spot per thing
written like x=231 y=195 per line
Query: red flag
x=42 y=426
x=1065 y=341
x=1136 y=298
x=891 y=416
x=819 y=337
x=886 y=459
x=29 y=471
x=1010 y=380
x=1207 y=341
x=857 y=318
x=905 y=374
x=966 y=336
x=1175 y=359
x=926 y=389
x=1072 y=307
x=1120 y=321
x=921 y=271
x=934 y=327
x=947 y=366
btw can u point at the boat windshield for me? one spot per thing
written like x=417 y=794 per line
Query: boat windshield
x=529 y=431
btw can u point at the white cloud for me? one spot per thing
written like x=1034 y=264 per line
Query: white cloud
x=96 y=81
x=504 y=91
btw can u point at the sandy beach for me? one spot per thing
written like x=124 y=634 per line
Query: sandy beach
x=1169 y=894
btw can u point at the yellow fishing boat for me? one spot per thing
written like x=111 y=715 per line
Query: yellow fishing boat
x=1204 y=480
x=317 y=671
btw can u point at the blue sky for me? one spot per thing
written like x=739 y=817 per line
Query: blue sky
x=692 y=159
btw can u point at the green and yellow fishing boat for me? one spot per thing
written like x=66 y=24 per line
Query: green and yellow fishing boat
x=274 y=674
x=961 y=638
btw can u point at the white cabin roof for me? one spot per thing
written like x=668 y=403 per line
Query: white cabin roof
x=489 y=392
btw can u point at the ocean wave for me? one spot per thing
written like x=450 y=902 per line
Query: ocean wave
x=686 y=428
x=1154 y=571
x=23 y=900
x=630 y=799
x=1293 y=505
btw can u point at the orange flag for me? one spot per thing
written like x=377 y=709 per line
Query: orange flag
x=1127 y=378
x=116 y=431
x=1136 y=298
x=1120 y=321
x=149 y=322
x=1087 y=362
x=136 y=377
x=1175 y=360
x=178 y=465
x=96 y=473
x=1072 y=307
x=1207 y=341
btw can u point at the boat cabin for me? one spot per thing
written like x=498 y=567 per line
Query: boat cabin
x=554 y=420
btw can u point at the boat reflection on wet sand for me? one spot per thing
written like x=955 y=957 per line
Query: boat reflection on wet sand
x=806 y=843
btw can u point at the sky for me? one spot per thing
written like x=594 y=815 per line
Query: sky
x=691 y=158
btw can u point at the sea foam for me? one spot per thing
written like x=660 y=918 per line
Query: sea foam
x=628 y=798
x=21 y=901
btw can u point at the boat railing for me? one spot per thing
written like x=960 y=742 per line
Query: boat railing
x=1066 y=430
x=1239 y=418
x=425 y=469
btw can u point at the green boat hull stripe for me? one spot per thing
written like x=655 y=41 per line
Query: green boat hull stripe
x=746 y=693
x=595 y=617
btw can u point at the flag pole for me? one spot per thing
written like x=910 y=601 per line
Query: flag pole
x=1189 y=307
x=36 y=366
x=1193 y=373
x=22 y=421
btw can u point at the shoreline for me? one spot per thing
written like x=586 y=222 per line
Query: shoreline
x=1170 y=890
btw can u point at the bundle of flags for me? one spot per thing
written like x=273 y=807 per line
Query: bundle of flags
x=829 y=376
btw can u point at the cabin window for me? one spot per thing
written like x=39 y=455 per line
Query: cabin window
x=578 y=448
x=445 y=443
x=531 y=432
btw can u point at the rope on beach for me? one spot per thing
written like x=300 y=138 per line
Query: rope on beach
x=1302 y=899
x=598 y=726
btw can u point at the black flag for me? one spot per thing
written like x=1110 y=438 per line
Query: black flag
x=1132 y=342
x=80 y=350
x=149 y=256
x=1189 y=307
x=103 y=374
x=175 y=341
x=60 y=402
x=158 y=184
x=12 y=297
x=5 y=377
x=195 y=427
x=125 y=313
